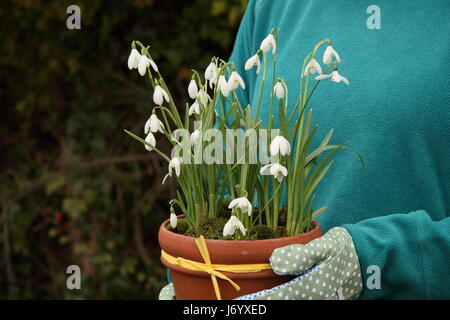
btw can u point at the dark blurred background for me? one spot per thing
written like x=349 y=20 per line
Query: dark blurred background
x=74 y=189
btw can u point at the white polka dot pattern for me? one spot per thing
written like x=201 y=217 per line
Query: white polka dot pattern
x=332 y=270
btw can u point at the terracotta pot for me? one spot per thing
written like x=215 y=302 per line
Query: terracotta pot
x=196 y=285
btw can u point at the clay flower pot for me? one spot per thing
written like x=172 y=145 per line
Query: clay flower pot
x=197 y=285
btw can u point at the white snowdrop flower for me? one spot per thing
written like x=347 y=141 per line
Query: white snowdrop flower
x=173 y=220
x=329 y=54
x=232 y=225
x=176 y=135
x=267 y=43
x=312 y=67
x=280 y=145
x=276 y=170
x=243 y=204
x=192 y=89
x=144 y=62
x=235 y=81
x=195 y=137
x=133 y=59
x=175 y=164
x=279 y=90
x=223 y=86
x=150 y=139
x=211 y=73
x=253 y=61
x=335 y=76
x=194 y=108
x=202 y=97
x=153 y=124
x=159 y=95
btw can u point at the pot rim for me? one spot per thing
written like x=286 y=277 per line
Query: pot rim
x=216 y=241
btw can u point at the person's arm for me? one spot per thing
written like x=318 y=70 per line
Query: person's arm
x=412 y=252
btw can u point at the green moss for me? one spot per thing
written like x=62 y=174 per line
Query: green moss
x=281 y=232
x=212 y=228
x=181 y=228
x=261 y=232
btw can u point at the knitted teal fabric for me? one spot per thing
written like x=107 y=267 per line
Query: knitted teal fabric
x=395 y=112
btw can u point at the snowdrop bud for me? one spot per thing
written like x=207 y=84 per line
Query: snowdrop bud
x=312 y=67
x=280 y=145
x=223 y=86
x=192 y=89
x=253 y=61
x=195 y=108
x=279 y=90
x=276 y=170
x=232 y=225
x=175 y=164
x=159 y=95
x=328 y=54
x=235 y=81
x=267 y=43
x=173 y=220
x=243 y=204
x=150 y=139
x=133 y=59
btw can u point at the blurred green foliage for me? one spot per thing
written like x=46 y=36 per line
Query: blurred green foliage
x=74 y=189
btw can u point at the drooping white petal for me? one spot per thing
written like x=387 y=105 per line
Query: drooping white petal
x=235 y=81
x=159 y=95
x=203 y=98
x=147 y=126
x=192 y=89
x=241 y=203
x=223 y=86
x=232 y=225
x=194 y=108
x=267 y=43
x=175 y=164
x=195 y=137
x=153 y=64
x=144 y=62
x=253 y=61
x=336 y=77
x=156 y=124
x=265 y=170
x=133 y=59
x=278 y=171
x=211 y=72
x=150 y=139
x=312 y=67
x=173 y=220
x=329 y=54
x=322 y=76
x=280 y=145
x=279 y=90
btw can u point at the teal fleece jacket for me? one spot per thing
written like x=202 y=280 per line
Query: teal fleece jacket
x=395 y=112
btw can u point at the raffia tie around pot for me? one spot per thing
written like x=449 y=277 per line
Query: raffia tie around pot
x=214 y=269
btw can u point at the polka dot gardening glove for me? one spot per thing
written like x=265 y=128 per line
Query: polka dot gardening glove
x=167 y=293
x=328 y=269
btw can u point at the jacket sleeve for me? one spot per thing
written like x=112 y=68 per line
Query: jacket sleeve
x=412 y=253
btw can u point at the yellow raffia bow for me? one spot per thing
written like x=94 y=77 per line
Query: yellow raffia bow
x=212 y=269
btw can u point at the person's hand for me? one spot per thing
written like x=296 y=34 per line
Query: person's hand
x=328 y=268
